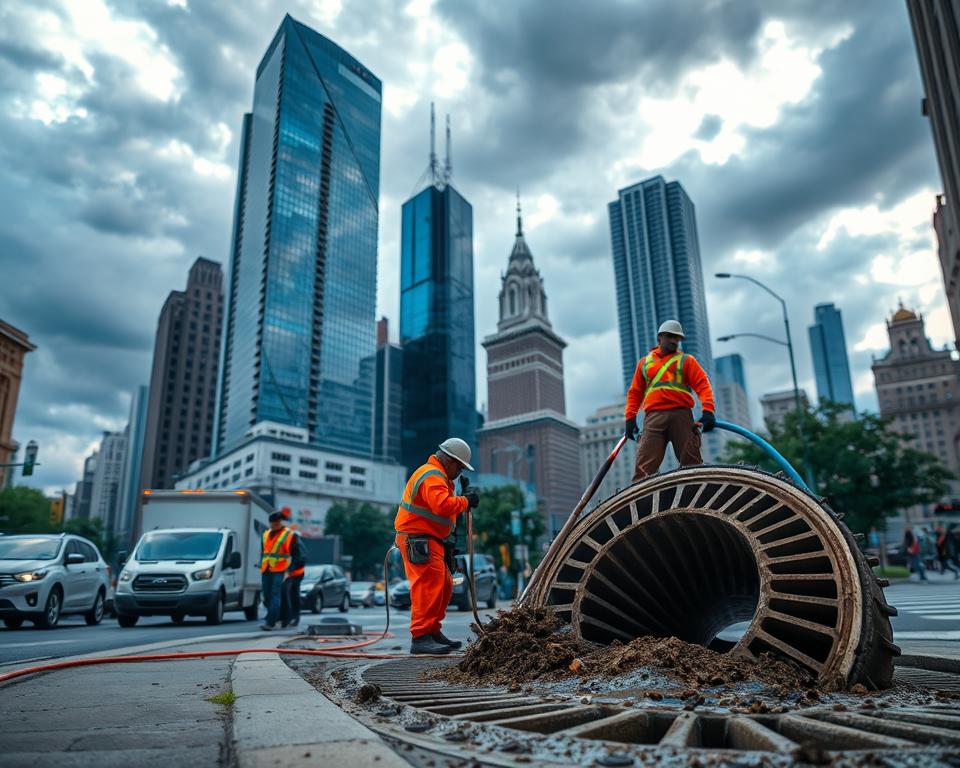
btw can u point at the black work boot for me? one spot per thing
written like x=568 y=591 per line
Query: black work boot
x=426 y=644
x=453 y=645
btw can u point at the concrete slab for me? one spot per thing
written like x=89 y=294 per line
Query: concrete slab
x=358 y=753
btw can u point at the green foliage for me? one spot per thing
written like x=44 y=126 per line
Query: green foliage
x=225 y=699
x=491 y=522
x=365 y=532
x=862 y=467
x=91 y=528
x=24 y=510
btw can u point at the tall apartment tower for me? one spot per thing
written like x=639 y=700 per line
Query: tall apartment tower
x=105 y=493
x=656 y=263
x=935 y=31
x=83 y=493
x=183 y=379
x=14 y=345
x=527 y=434
x=135 y=432
x=730 y=391
x=598 y=436
x=303 y=271
x=829 y=349
x=436 y=315
x=917 y=386
x=388 y=397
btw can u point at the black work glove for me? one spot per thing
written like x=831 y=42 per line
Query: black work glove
x=630 y=428
x=473 y=498
x=707 y=420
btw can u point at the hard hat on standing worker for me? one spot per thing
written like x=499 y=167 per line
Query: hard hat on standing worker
x=672 y=326
x=457 y=449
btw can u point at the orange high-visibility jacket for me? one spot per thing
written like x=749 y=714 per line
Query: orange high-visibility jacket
x=664 y=381
x=429 y=504
x=276 y=550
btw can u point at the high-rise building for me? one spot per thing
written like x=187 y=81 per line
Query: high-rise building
x=303 y=271
x=917 y=386
x=656 y=263
x=436 y=316
x=597 y=438
x=730 y=392
x=388 y=396
x=122 y=524
x=730 y=368
x=105 y=493
x=14 y=345
x=183 y=379
x=830 y=363
x=527 y=435
x=83 y=494
x=935 y=26
x=776 y=405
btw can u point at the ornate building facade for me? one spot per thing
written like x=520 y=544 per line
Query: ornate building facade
x=527 y=435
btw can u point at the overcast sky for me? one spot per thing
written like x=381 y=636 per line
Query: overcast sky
x=795 y=127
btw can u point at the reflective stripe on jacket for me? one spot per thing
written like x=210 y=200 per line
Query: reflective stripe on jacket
x=429 y=504
x=661 y=382
x=276 y=550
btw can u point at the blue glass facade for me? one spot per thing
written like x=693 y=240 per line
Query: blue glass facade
x=436 y=322
x=300 y=317
x=829 y=350
x=656 y=262
x=729 y=368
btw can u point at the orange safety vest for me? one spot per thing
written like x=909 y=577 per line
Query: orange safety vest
x=415 y=518
x=299 y=570
x=276 y=551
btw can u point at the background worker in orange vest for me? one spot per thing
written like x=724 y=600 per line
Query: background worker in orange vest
x=290 y=594
x=663 y=386
x=274 y=563
x=425 y=519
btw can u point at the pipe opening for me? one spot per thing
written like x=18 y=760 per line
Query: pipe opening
x=686 y=575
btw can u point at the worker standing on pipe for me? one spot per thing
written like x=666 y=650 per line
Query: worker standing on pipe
x=425 y=521
x=663 y=386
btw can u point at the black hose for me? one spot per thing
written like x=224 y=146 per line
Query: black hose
x=472 y=581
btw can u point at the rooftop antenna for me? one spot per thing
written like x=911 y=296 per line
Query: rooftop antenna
x=519 y=219
x=433 y=145
x=448 y=165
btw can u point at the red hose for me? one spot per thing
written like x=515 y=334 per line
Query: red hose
x=336 y=652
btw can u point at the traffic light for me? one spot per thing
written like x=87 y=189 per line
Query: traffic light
x=57 y=505
x=30 y=458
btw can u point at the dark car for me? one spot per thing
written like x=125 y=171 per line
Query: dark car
x=324 y=586
x=400 y=595
x=486 y=577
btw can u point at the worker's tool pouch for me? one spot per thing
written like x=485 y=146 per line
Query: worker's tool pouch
x=418 y=549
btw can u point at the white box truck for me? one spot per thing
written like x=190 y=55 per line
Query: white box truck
x=199 y=555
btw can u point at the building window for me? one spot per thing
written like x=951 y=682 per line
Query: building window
x=357 y=483
x=358 y=470
x=248 y=471
x=249 y=458
x=236 y=464
x=280 y=456
x=235 y=477
x=334 y=466
x=308 y=475
x=280 y=470
x=333 y=479
x=308 y=462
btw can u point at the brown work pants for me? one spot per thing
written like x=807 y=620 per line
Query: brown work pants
x=674 y=426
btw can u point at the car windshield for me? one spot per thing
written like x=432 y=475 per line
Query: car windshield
x=313 y=572
x=28 y=548
x=179 y=545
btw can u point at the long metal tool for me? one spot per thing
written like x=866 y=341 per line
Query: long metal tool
x=584 y=500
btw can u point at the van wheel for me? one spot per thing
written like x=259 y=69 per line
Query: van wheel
x=177 y=618
x=51 y=611
x=95 y=615
x=127 y=620
x=13 y=623
x=252 y=612
x=216 y=614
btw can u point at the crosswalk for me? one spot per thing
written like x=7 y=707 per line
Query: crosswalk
x=936 y=601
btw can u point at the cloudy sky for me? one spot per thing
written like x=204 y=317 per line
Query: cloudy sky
x=795 y=127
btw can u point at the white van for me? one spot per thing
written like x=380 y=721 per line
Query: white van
x=199 y=555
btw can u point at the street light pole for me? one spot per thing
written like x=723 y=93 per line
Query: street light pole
x=793 y=371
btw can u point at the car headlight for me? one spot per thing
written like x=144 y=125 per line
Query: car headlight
x=125 y=575
x=457 y=579
x=206 y=573
x=30 y=575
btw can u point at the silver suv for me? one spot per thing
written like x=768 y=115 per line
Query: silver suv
x=44 y=576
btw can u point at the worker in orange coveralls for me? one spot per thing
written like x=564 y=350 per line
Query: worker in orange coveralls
x=425 y=521
x=663 y=386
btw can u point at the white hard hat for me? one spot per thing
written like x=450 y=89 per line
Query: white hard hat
x=457 y=449
x=672 y=326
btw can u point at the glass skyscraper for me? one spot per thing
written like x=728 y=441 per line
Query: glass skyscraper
x=829 y=349
x=302 y=294
x=729 y=368
x=656 y=263
x=436 y=321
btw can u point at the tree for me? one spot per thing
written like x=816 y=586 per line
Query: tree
x=24 y=510
x=365 y=532
x=493 y=517
x=91 y=528
x=862 y=467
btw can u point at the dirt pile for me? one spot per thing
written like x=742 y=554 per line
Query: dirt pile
x=528 y=644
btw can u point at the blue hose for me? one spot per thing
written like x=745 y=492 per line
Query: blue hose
x=772 y=452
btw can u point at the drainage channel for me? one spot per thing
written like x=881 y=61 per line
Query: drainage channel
x=496 y=726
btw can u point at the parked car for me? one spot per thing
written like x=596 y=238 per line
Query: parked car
x=400 y=595
x=486 y=578
x=324 y=586
x=46 y=576
x=361 y=593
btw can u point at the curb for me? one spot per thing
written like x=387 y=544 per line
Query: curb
x=280 y=719
x=930 y=663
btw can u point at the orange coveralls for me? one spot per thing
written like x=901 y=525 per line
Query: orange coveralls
x=429 y=507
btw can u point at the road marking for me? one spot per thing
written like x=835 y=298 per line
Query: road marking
x=921 y=634
x=31 y=645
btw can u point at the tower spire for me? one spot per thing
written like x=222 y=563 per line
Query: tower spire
x=448 y=164
x=433 y=145
x=519 y=216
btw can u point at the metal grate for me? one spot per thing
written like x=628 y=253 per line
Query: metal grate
x=160 y=582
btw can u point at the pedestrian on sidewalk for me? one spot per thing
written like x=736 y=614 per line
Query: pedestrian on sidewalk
x=911 y=546
x=944 y=556
x=274 y=563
